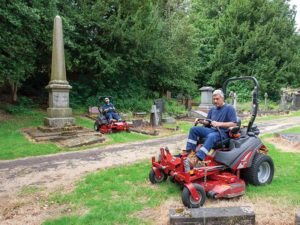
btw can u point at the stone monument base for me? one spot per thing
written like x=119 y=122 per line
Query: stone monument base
x=59 y=122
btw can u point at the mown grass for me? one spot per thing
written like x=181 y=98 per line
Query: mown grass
x=14 y=145
x=112 y=195
x=286 y=182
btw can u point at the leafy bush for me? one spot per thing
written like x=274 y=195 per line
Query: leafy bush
x=24 y=106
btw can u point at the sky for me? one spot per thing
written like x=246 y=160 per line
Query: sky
x=297 y=3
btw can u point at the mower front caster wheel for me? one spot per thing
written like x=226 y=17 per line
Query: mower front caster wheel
x=154 y=179
x=96 y=126
x=188 y=199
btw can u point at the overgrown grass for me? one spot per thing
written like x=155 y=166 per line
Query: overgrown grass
x=174 y=107
x=112 y=195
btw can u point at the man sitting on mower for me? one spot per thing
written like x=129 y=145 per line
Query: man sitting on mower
x=109 y=109
x=222 y=115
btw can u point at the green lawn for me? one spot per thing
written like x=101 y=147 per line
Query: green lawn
x=112 y=195
x=14 y=145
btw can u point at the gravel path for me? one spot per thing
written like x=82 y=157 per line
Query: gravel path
x=63 y=169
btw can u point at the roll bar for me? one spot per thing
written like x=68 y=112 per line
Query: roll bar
x=255 y=96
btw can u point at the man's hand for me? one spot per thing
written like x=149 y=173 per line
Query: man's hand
x=197 y=121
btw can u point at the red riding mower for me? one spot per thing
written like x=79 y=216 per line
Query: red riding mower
x=242 y=157
x=104 y=125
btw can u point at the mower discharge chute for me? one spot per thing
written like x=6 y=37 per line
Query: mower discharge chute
x=229 y=164
x=103 y=124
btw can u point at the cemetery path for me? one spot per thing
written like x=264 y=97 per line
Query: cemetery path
x=54 y=171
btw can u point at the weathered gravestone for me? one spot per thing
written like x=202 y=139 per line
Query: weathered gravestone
x=59 y=113
x=180 y=97
x=213 y=216
x=266 y=101
x=206 y=99
x=297 y=101
x=188 y=102
x=297 y=219
x=231 y=97
x=169 y=96
x=235 y=101
x=155 y=117
x=169 y=120
x=283 y=100
x=160 y=105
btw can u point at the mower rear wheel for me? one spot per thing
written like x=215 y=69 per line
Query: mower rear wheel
x=96 y=126
x=188 y=199
x=128 y=130
x=261 y=171
x=154 y=179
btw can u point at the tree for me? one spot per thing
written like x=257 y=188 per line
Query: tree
x=253 y=38
x=21 y=40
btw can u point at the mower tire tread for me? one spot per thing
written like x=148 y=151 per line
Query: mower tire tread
x=261 y=171
x=153 y=178
x=188 y=200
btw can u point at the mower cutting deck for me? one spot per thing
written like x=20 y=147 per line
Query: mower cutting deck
x=242 y=158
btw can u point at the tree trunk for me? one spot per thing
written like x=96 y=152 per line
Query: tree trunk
x=14 y=88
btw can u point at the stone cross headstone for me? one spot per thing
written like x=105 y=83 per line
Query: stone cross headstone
x=169 y=96
x=235 y=101
x=266 y=101
x=59 y=113
x=155 y=119
x=206 y=99
x=231 y=94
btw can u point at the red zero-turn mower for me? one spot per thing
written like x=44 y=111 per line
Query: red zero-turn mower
x=232 y=162
x=103 y=124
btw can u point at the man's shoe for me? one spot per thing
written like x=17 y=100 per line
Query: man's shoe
x=192 y=159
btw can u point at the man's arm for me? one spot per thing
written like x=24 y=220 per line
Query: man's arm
x=223 y=124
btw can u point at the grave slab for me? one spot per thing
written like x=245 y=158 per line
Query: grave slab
x=82 y=141
x=297 y=218
x=242 y=215
x=169 y=120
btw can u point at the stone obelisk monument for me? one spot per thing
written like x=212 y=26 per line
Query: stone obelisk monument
x=59 y=113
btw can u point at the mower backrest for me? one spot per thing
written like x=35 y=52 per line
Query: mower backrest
x=102 y=119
